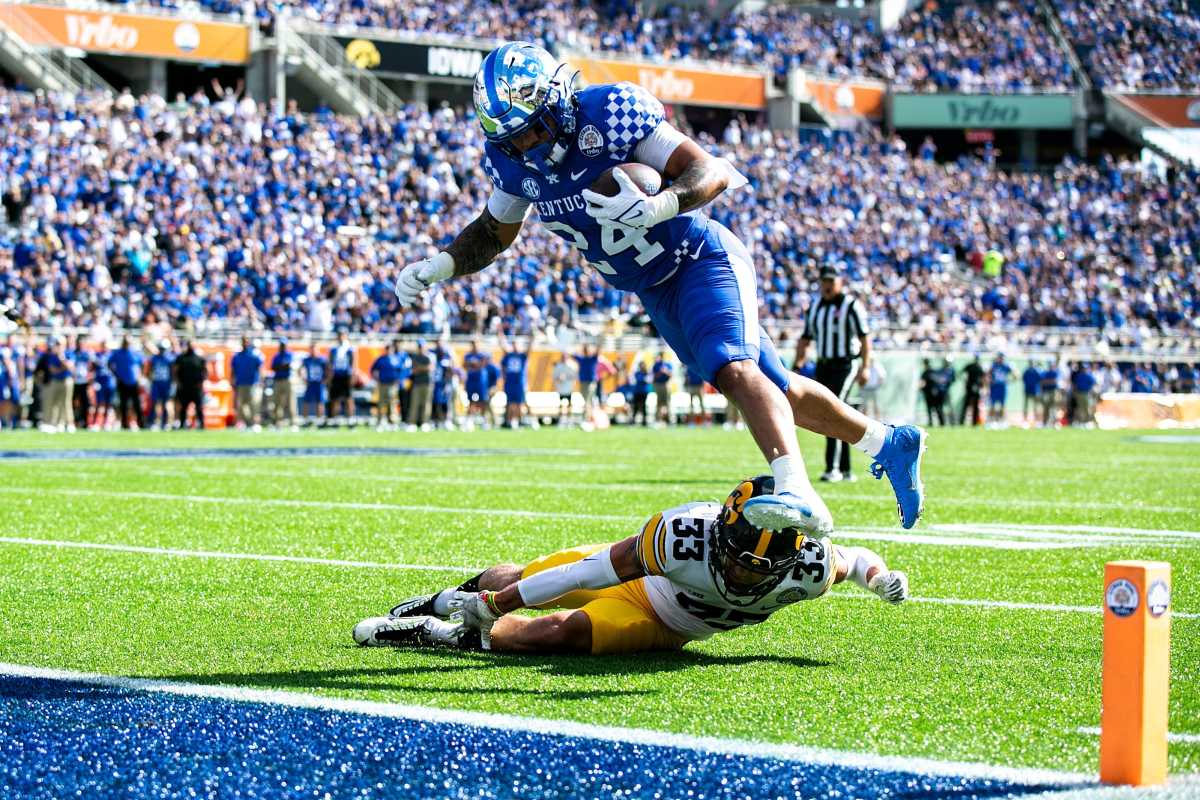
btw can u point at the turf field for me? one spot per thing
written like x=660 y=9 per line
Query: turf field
x=997 y=661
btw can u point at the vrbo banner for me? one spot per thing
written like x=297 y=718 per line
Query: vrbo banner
x=982 y=111
x=128 y=34
x=729 y=88
x=457 y=64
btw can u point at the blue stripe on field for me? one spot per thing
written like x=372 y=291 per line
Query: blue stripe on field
x=68 y=739
x=274 y=452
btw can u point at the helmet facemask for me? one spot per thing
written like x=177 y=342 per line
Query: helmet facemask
x=524 y=102
x=743 y=578
x=748 y=563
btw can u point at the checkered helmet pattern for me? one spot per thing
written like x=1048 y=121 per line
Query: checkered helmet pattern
x=630 y=114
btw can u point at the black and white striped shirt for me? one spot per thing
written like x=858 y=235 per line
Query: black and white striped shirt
x=835 y=326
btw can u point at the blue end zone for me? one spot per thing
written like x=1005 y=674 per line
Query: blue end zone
x=275 y=452
x=65 y=739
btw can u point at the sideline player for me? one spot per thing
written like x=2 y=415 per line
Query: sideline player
x=998 y=376
x=546 y=144
x=475 y=363
x=694 y=570
x=515 y=365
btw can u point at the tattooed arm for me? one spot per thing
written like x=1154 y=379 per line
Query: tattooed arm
x=472 y=250
x=696 y=177
x=480 y=242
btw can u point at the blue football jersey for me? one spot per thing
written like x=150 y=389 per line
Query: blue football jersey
x=611 y=120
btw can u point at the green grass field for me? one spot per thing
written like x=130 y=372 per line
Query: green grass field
x=946 y=680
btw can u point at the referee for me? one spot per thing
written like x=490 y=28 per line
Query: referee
x=839 y=330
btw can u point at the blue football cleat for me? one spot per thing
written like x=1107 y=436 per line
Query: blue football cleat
x=900 y=458
x=777 y=512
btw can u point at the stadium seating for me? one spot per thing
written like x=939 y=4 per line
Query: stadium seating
x=220 y=214
x=1001 y=47
x=974 y=46
x=970 y=46
x=1151 y=44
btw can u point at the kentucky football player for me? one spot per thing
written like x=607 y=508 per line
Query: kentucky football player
x=694 y=570
x=547 y=142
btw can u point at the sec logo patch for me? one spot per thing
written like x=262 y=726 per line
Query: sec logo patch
x=591 y=143
x=531 y=189
x=1121 y=597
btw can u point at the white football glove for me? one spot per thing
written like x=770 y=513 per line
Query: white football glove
x=892 y=587
x=631 y=208
x=10 y=319
x=417 y=277
x=477 y=612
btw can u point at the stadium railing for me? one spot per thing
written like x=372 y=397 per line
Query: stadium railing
x=1072 y=344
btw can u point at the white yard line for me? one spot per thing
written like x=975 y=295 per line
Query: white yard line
x=834 y=496
x=1000 y=604
x=928 y=536
x=291 y=503
x=905 y=537
x=555 y=727
x=1177 y=738
x=1006 y=527
x=184 y=553
x=335 y=562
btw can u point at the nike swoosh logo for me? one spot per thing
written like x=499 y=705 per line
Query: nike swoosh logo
x=577 y=175
x=699 y=247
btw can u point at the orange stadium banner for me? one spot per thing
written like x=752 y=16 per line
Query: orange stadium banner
x=855 y=96
x=697 y=86
x=128 y=34
x=1168 y=111
x=1126 y=410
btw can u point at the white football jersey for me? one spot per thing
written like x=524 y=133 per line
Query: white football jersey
x=673 y=547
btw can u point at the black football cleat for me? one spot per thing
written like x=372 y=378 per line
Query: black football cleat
x=420 y=606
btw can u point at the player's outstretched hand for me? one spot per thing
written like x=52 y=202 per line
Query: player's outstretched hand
x=419 y=276
x=630 y=207
x=892 y=587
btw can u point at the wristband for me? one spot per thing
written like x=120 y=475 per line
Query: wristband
x=441 y=267
x=489 y=598
x=662 y=207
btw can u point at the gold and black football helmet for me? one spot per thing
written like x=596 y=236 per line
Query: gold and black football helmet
x=746 y=562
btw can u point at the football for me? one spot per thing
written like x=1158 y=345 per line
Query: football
x=648 y=179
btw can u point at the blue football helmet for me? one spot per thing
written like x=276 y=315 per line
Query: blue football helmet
x=520 y=87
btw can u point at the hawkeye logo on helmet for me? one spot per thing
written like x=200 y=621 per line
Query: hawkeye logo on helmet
x=531 y=189
x=591 y=143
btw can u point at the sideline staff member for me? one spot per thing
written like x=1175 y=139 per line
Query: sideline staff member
x=843 y=356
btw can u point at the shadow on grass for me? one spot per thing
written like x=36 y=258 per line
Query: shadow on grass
x=434 y=673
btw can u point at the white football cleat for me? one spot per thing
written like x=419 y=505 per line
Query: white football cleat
x=403 y=632
x=775 y=512
x=892 y=587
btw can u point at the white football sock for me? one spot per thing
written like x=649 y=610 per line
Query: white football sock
x=441 y=603
x=872 y=441
x=790 y=476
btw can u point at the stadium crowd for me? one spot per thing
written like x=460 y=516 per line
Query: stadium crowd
x=1128 y=44
x=973 y=46
x=194 y=215
x=1002 y=46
